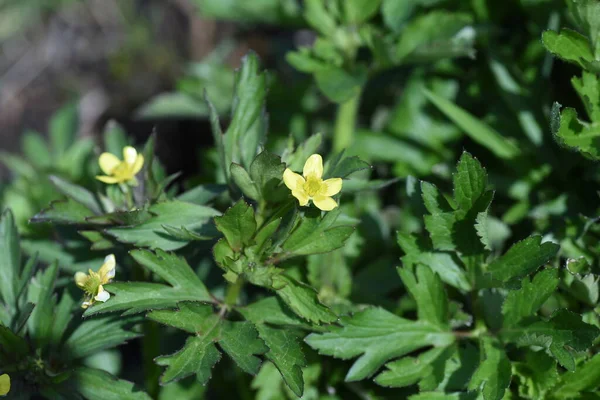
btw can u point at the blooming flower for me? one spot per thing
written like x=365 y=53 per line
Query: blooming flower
x=312 y=186
x=118 y=171
x=92 y=283
x=4 y=384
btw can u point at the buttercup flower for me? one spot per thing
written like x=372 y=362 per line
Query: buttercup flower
x=92 y=283
x=120 y=171
x=312 y=186
x=4 y=384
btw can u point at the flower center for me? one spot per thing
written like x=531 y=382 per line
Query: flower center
x=92 y=284
x=312 y=185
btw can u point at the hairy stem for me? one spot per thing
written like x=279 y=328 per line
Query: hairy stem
x=233 y=292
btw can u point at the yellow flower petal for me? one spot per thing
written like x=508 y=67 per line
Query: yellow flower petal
x=313 y=166
x=107 y=179
x=301 y=196
x=324 y=203
x=107 y=270
x=80 y=279
x=137 y=166
x=4 y=384
x=108 y=162
x=292 y=180
x=129 y=155
x=331 y=187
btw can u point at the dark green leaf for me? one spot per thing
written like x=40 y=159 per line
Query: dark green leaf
x=340 y=85
x=303 y=300
x=427 y=289
x=523 y=258
x=494 y=373
x=237 y=225
x=10 y=258
x=95 y=384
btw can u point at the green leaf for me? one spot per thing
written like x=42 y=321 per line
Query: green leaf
x=14 y=346
x=238 y=339
x=303 y=300
x=115 y=137
x=295 y=160
x=272 y=310
x=358 y=11
x=530 y=297
x=427 y=289
x=443 y=396
x=40 y=292
x=151 y=234
x=470 y=182
x=36 y=149
x=77 y=193
x=62 y=129
x=569 y=45
x=585 y=379
x=340 y=85
x=97 y=334
x=395 y=13
x=66 y=211
x=588 y=88
x=435 y=35
x=286 y=353
x=343 y=167
x=244 y=182
x=202 y=194
x=172 y=105
x=95 y=384
x=494 y=373
x=237 y=225
x=247 y=129
x=562 y=334
x=408 y=370
x=10 y=259
x=318 y=17
x=266 y=172
x=446 y=265
x=478 y=131
x=140 y=296
x=537 y=375
x=523 y=258
x=377 y=336
x=572 y=133
x=586 y=13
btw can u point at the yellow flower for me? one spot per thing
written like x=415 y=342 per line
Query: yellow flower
x=92 y=283
x=312 y=186
x=118 y=171
x=4 y=384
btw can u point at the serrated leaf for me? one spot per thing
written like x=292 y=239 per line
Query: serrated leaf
x=135 y=297
x=95 y=384
x=562 y=334
x=377 y=336
x=303 y=300
x=470 y=182
x=477 y=130
x=427 y=289
x=527 y=300
x=238 y=339
x=523 y=258
x=77 y=193
x=569 y=45
x=174 y=213
x=285 y=352
x=273 y=311
x=494 y=373
x=572 y=133
x=408 y=370
x=585 y=379
x=537 y=375
x=343 y=167
x=588 y=88
x=267 y=172
x=446 y=265
x=237 y=225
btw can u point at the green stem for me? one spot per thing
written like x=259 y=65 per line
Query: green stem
x=233 y=292
x=128 y=195
x=345 y=123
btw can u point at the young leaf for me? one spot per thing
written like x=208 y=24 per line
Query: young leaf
x=569 y=45
x=377 y=336
x=537 y=375
x=470 y=182
x=237 y=225
x=572 y=133
x=446 y=265
x=408 y=370
x=243 y=181
x=585 y=379
x=266 y=172
x=527 y=300
x=494 y=373
x=136 y=297
x=523 y=258
x=427 y=289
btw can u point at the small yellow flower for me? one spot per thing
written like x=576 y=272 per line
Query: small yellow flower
x=4 y=384
x=92 y=283
x=118 y=171
x=312 y=186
